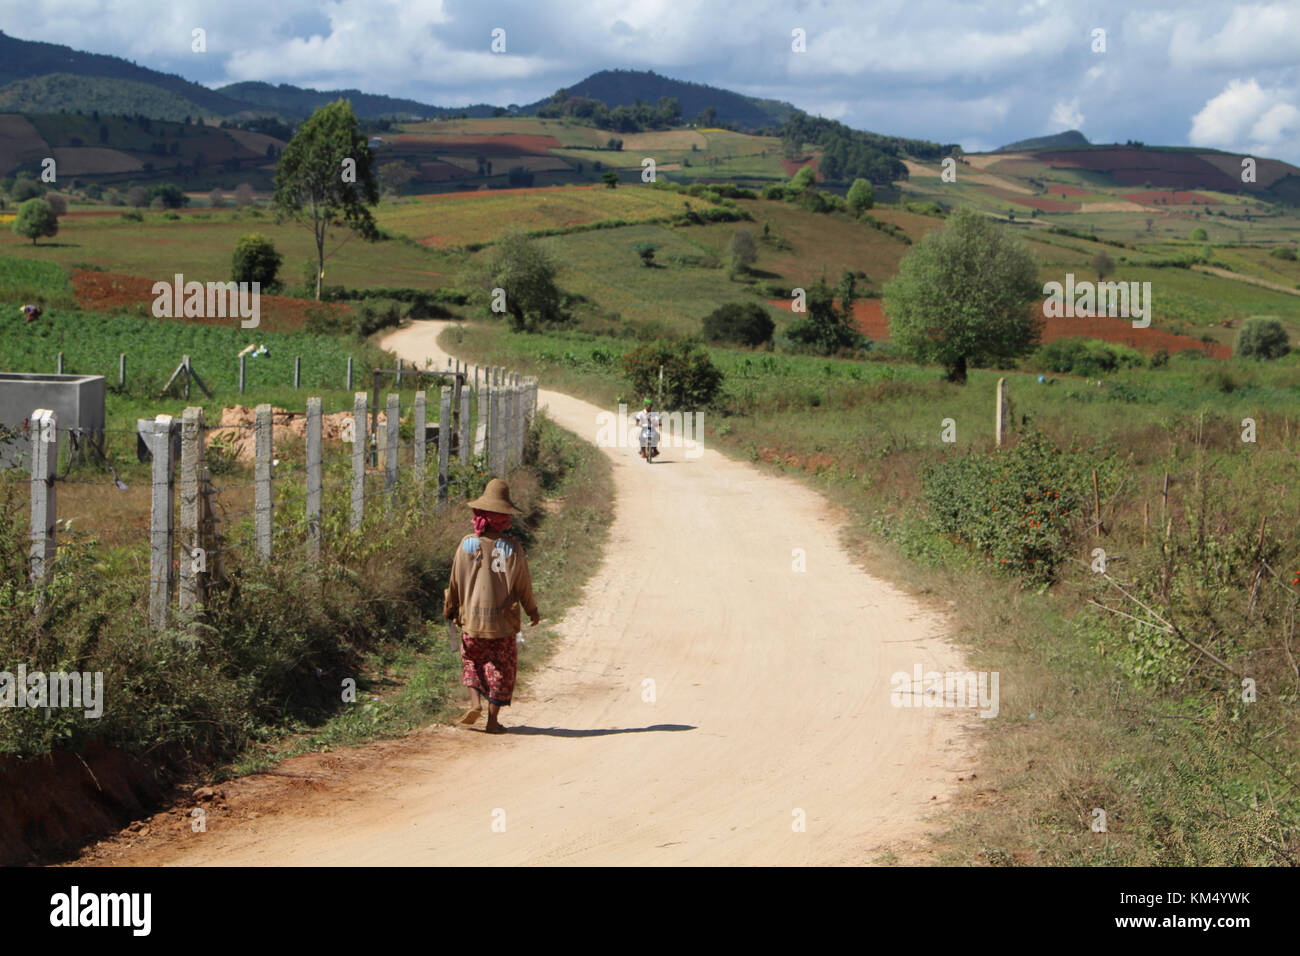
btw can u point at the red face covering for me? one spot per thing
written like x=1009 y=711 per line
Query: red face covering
x=493 y=521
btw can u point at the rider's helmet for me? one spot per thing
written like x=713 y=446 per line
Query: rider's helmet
x=646 y=403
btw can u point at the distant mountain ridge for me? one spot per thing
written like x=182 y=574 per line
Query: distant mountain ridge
x=1070 y=138
x=624 y=87
x=301 y=102
x=30 y=59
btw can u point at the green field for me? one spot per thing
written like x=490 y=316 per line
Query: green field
x=463 y=219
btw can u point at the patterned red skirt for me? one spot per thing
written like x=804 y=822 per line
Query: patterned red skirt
x=488 y=666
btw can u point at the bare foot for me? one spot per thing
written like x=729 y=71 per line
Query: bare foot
x=494 y=728
x=471 y=715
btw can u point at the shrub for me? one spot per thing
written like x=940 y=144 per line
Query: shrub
x=1087 y=357
x=1199 y=234
x=646 y=250
x=1262 y=337
x=691 y=380
x=775 y=191
x=255 y=260
x=58 y=203
x=861 y=196
x=1284 y=252
x=745 y=323
x=25 y=189
x=1022 y=508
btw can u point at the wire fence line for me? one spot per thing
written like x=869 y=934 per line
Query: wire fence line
x=193 y=534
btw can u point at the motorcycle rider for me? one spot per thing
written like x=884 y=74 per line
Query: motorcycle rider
x=648 y=417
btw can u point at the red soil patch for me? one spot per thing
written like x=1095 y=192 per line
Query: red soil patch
x=792 y=166
x=812 y=463
x=109 y=291
x=872 y=322
x=1168 y=196
x=1056 y=188
x=1033 y=202
x=1131 y=166
x=513 y=143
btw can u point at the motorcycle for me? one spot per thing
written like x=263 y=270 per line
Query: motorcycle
x=649 y=443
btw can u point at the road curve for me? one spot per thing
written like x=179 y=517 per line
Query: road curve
x=770 y=707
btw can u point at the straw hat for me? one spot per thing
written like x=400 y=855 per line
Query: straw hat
x=496 y=497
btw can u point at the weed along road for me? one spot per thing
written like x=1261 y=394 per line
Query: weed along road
x=770 y=737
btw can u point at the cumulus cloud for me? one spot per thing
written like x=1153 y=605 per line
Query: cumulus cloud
x=945 y=70
x=1247 y=117
x=1065 y=116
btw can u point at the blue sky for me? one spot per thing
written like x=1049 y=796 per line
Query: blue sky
x=982 y=74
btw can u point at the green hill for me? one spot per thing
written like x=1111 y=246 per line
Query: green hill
x=617 y=88
x=27 y=59
x=68 y=93
x=1064 y=140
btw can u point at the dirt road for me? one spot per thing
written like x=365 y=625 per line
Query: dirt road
x=771 y=703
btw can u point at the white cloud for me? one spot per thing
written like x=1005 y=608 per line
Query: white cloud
x=1246 y=117
x=1065 y=116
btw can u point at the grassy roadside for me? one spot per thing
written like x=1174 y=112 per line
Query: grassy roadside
x=1102 y=710
x=408 y=684
x=259 y=674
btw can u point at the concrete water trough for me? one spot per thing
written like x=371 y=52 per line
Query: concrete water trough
x=78 y=400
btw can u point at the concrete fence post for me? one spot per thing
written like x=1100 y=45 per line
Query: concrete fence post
x=59 y=364
x=162 y=523
x=481 y=429
x=194 y=547
x=121 y=370
x=466 y=448
x=360 y=446
x=444 y=444
x=264 y=493
x=494 y=431
x=44 y=460
x=349 y=385
x=399 y=373
x=516 y=436
x=392 y=445
x=1000 y=426
x=315 y=477
x=243 y=372
x=419 y=445
x=297 y=371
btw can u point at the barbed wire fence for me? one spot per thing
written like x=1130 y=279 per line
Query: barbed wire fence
x=200 y=529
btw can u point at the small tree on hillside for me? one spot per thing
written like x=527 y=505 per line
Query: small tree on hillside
x=325 y=177
x=58 y=203
x=610 y=178
x=1102 y=264
x=526 y=276
x=962 y=296
x=828 y=327
x=804 y=178
x=743 y=250
x=216 y=200
x=861 y=196
x=243 y=194
x=36 y=219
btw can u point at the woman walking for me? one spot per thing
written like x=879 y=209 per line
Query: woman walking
x=490 y=581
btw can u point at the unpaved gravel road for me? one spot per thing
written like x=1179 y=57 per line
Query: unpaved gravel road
x=771 y=701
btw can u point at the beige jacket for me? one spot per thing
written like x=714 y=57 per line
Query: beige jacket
x=490 y=581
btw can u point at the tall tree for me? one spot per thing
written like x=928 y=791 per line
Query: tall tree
x=325 y=177
x=962 y=296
